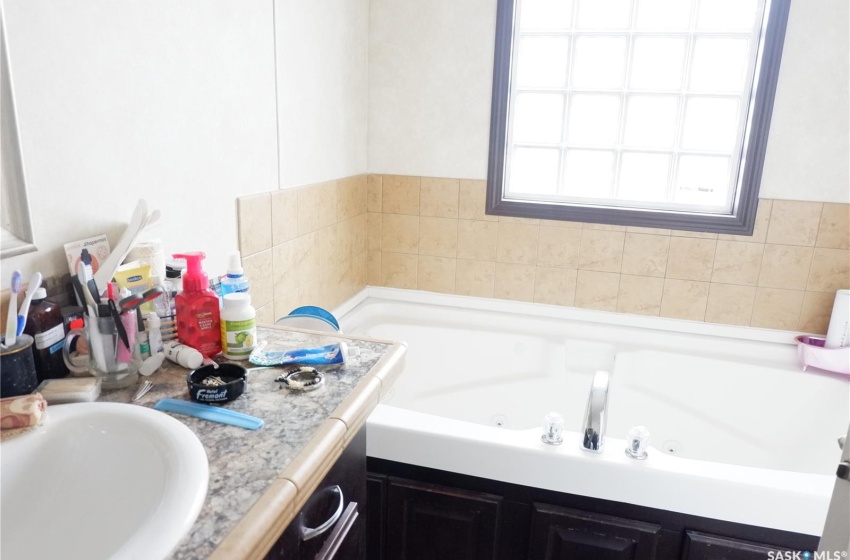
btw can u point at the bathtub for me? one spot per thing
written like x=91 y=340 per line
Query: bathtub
x=738 y=432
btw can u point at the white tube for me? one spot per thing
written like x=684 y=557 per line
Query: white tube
x=184 y=355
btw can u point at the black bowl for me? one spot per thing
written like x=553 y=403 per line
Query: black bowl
x=235 y=380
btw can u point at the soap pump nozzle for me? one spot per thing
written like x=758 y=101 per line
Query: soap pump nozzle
x=194 y=279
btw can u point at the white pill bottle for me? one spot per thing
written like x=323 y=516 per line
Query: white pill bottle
x=238 y=326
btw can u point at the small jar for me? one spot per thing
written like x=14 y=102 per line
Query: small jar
x=238 y=326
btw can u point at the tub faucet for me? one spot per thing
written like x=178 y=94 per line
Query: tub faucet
x=593 y=429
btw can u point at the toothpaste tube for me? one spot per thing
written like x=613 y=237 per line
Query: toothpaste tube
x=333 y=354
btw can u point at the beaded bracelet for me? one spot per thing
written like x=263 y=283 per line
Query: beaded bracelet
x=302 y=379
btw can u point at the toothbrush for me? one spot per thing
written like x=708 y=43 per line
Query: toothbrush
x=90 y=281
x=12 y=316
x=35 y=283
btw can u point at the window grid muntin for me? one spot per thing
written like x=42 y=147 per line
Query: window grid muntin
x=684 y=94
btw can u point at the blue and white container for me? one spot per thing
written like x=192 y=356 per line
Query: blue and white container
x=235 y=282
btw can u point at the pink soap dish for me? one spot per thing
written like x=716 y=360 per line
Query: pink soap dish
x=811 y=352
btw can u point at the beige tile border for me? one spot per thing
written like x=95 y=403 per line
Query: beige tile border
x=777 y=255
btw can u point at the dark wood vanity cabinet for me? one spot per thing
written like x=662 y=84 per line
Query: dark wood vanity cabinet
x=417 y=513
x=425 y=521
x=703 y=546
x=335 y=514
x=565 y=534
x=412 y=520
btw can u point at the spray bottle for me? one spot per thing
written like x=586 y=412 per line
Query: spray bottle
x=235 y=281
x=198 y=321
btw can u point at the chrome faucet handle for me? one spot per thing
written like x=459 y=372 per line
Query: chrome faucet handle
x=637 y=443
x=553 y=425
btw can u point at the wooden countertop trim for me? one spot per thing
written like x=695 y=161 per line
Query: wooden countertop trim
x=357 y=407
x=390 y=366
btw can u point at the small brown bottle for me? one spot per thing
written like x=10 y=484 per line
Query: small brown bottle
x=45 y=325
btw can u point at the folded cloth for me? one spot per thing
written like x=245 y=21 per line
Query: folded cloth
x=21 y=412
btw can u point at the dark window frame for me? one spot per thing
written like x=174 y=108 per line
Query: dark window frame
x=741 y=221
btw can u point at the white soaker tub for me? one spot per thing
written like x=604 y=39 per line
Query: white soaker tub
x=739 y=433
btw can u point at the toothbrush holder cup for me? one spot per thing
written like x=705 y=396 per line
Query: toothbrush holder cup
x=108 y=357
x=18 y=367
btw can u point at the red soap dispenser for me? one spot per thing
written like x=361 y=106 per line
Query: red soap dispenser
x=198 y=322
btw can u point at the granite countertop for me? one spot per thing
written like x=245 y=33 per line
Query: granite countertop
x=270 y=463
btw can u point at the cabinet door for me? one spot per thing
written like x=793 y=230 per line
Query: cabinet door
x=703 y=546
x=570 y=534
x=341 y=498
x=430 y=522
x=376 y=501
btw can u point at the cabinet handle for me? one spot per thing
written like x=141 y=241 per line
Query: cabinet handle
x=308 y=533
x=338 y=535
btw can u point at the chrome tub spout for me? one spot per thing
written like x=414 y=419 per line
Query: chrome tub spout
x=593 y=430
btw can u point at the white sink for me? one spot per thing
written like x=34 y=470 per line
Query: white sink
x=100 y=480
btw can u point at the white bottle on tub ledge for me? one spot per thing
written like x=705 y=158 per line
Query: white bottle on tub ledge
x=838 y=334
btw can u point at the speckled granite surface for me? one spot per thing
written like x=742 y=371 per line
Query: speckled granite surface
x=243 y=462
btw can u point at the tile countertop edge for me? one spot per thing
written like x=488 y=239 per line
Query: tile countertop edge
x=256 y=533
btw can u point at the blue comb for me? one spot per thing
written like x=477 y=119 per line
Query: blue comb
x=211 y=413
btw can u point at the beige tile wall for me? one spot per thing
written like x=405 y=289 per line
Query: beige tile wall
x=432 y=234
x=304 y=246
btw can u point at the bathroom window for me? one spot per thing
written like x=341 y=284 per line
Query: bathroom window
x=635 y=112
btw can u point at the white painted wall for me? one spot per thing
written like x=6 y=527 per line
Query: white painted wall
x=430 y=73
x=176 y=101
x=808 y=152
x=430 y=76
x=170 y=100
x=322 y=60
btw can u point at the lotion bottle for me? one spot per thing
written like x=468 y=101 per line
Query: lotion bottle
x=198 y=319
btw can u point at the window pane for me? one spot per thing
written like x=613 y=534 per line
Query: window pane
x=710 y=124
x=657 y=63
x=542 y=61
x=651 y=121
x=604 y=14
x=546 y=14
x=534 y=170
x=599 y=62
x=719 y=64
x=614 y=105
x=538 y=117
x=589 y=173
x=663 y=14
x=644 y=177
x=702 y=180
x=593 y=119
x=727 y=14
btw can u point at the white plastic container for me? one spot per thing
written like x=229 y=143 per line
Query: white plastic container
x=154 y=333
x=238 y=326
x=838 y=334
x=184 y=355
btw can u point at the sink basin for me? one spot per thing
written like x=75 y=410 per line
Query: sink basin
x=100 y=480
